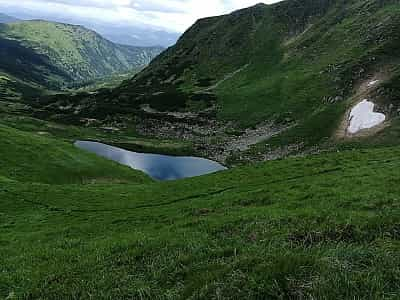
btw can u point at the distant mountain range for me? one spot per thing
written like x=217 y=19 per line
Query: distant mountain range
x=55 y=56
x=135 y=36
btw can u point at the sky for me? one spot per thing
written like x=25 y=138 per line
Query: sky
x=166 y=15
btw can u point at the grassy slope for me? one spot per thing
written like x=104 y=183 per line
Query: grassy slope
x=107 y=82
x=338 y=47
x=301 y=54
x=31 y=157
x=78 y=51
x=12 y=88
x=54 y=56
x=324 y=227
x=26 y=72
x=296 y=79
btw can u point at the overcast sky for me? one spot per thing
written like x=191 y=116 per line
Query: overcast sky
x=170 y=15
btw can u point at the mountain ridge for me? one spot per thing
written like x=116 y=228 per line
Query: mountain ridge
x=285 y=74
x=66 y=54
x=34 y=32
x=297 y=62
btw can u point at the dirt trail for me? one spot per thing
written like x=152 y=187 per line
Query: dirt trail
x=178 y=115
x=227 y=77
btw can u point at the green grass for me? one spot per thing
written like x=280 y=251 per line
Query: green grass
x=294 y=78
x=28 y=157
x=321 y=227
x=58 y=37
x=13 y=115
x=13 y=89
x=305 y=61
x=75 y=226
x=58 y=56
x=107 y=82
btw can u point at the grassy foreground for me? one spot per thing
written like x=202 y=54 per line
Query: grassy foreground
x=321 y=227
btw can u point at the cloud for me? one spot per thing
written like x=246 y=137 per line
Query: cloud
x=170 y=15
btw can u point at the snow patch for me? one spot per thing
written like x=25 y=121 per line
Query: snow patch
x=362 y=116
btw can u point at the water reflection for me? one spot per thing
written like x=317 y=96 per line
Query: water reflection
x=160 y=167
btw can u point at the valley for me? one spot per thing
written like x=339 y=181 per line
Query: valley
x=257 y=158
x=53 y=57
x=277 y=82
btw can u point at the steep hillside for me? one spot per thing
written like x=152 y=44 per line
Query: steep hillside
x=286 y=73
x=22 y=66
x=55 y=56
x=7 y=19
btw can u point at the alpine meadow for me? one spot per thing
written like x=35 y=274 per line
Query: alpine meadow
x=256 y=158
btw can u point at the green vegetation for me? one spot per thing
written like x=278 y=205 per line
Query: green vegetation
x=28 y=157
x=14 y=89
x=298 y=63
x=48 y=55
x=77 y=226
x=295 y=61
x=15 y=115
x=79 y=52
x=107 y=82
x=322 y=227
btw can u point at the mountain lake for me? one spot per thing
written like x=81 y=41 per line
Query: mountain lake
x=159 y=167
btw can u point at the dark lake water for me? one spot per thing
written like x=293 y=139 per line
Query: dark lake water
x=160 y=167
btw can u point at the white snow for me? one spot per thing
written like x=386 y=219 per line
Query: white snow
x=362 y=116
x=373 y=82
